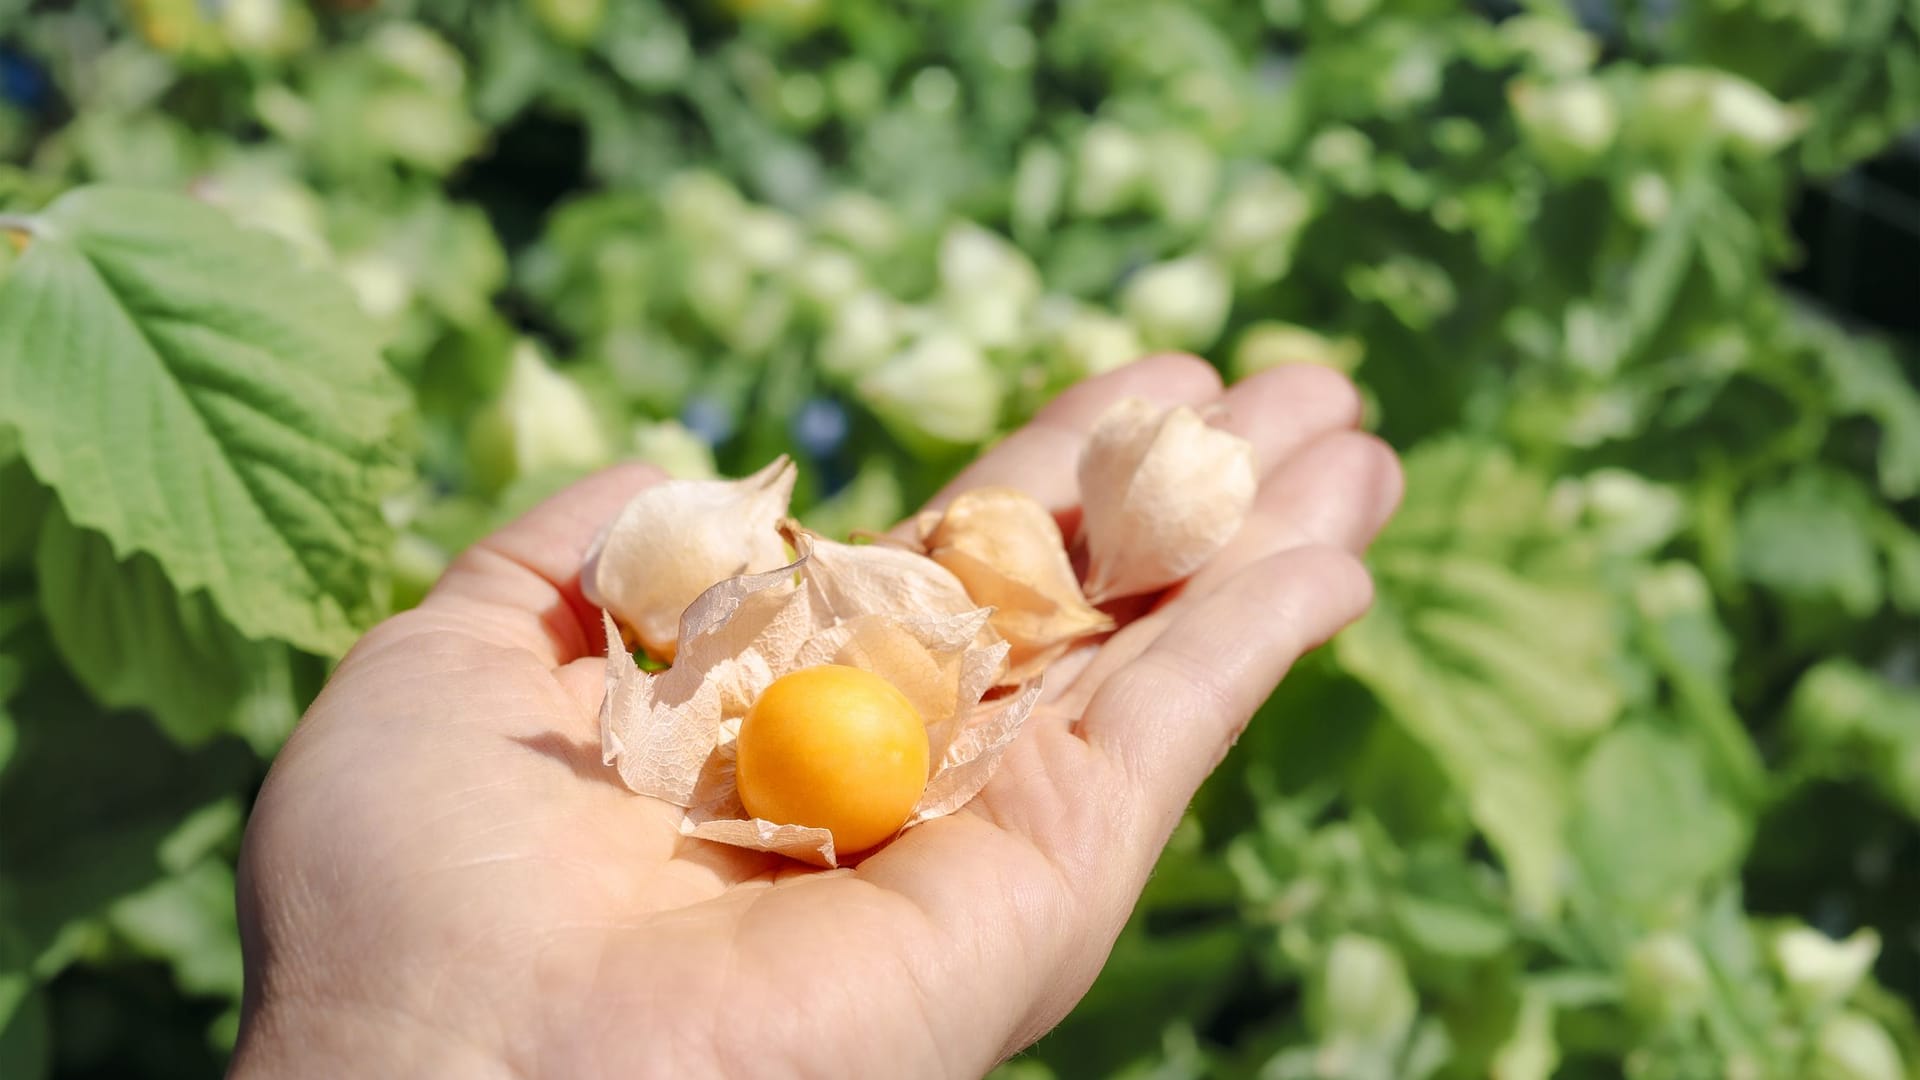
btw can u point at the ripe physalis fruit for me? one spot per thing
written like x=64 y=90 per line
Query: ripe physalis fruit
x=836 y=748
x=820 y=707
x=900 y=617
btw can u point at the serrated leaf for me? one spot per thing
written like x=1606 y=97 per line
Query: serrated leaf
x=190 y=391
x=135 y=643
x=1492 y=649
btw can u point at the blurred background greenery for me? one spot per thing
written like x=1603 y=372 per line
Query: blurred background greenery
x=1622 y=776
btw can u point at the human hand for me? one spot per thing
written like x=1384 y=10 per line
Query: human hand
x=441 y=878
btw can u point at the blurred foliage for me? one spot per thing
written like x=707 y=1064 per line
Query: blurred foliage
x=1638 y=705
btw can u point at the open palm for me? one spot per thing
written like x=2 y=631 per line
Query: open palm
x=441 y=878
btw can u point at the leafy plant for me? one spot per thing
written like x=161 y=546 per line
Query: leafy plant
x=296 y=303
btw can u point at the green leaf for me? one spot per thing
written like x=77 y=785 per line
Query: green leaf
x=26 y=1043
x=114 y=807
x=1155 y=979
x=135 y=643
x=13 y=673
x=1868 y=380
x=447 y=251
x=1902 y=546
x=1396 y=781
x=1450 y=929
x=1810 y=538
x=11 y=676
x=1148 y=983
x=1492 y=647
x=188 y=921
x=1745 y=1009
x=1681 y=633
x=26 y=501
x=1661 y=267
x=190 y=391
x=1634 y=788
x=1848 y=722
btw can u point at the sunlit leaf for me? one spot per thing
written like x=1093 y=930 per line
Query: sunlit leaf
x=136 y=643
x=1633 y=790
x=1491 y=649
x=191 y=391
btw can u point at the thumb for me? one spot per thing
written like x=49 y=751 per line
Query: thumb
x=520 y=586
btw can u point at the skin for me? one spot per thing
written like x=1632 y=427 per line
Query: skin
x=441 y=878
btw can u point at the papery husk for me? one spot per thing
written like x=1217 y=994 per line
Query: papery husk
x=1007 y=552
x=854 y=579
x=660 y=731
x=675 y=540
x=808 y=845
x=973 y=755
x=671 y=735
x=1162 y=492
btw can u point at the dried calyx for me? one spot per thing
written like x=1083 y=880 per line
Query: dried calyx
x=674 y=541
x=962 y=617
x=1162 y=492
x=672 y=735
x=1006 y=549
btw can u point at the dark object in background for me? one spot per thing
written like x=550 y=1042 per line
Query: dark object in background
x=1860 y=235
x=22 y=81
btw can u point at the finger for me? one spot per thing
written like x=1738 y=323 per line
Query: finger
x=1043 y=457
x=520 y=586
x=1170 y=717
x=1279 y=411
x=1286 y=408
x=1336 y=492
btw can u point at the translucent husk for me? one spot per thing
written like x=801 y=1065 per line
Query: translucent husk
x=1006 y=550
x=675 y=540
x=1162 y=493
x=982 y=597
x=671 y=735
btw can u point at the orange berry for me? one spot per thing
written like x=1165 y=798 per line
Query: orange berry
x=836 y=748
